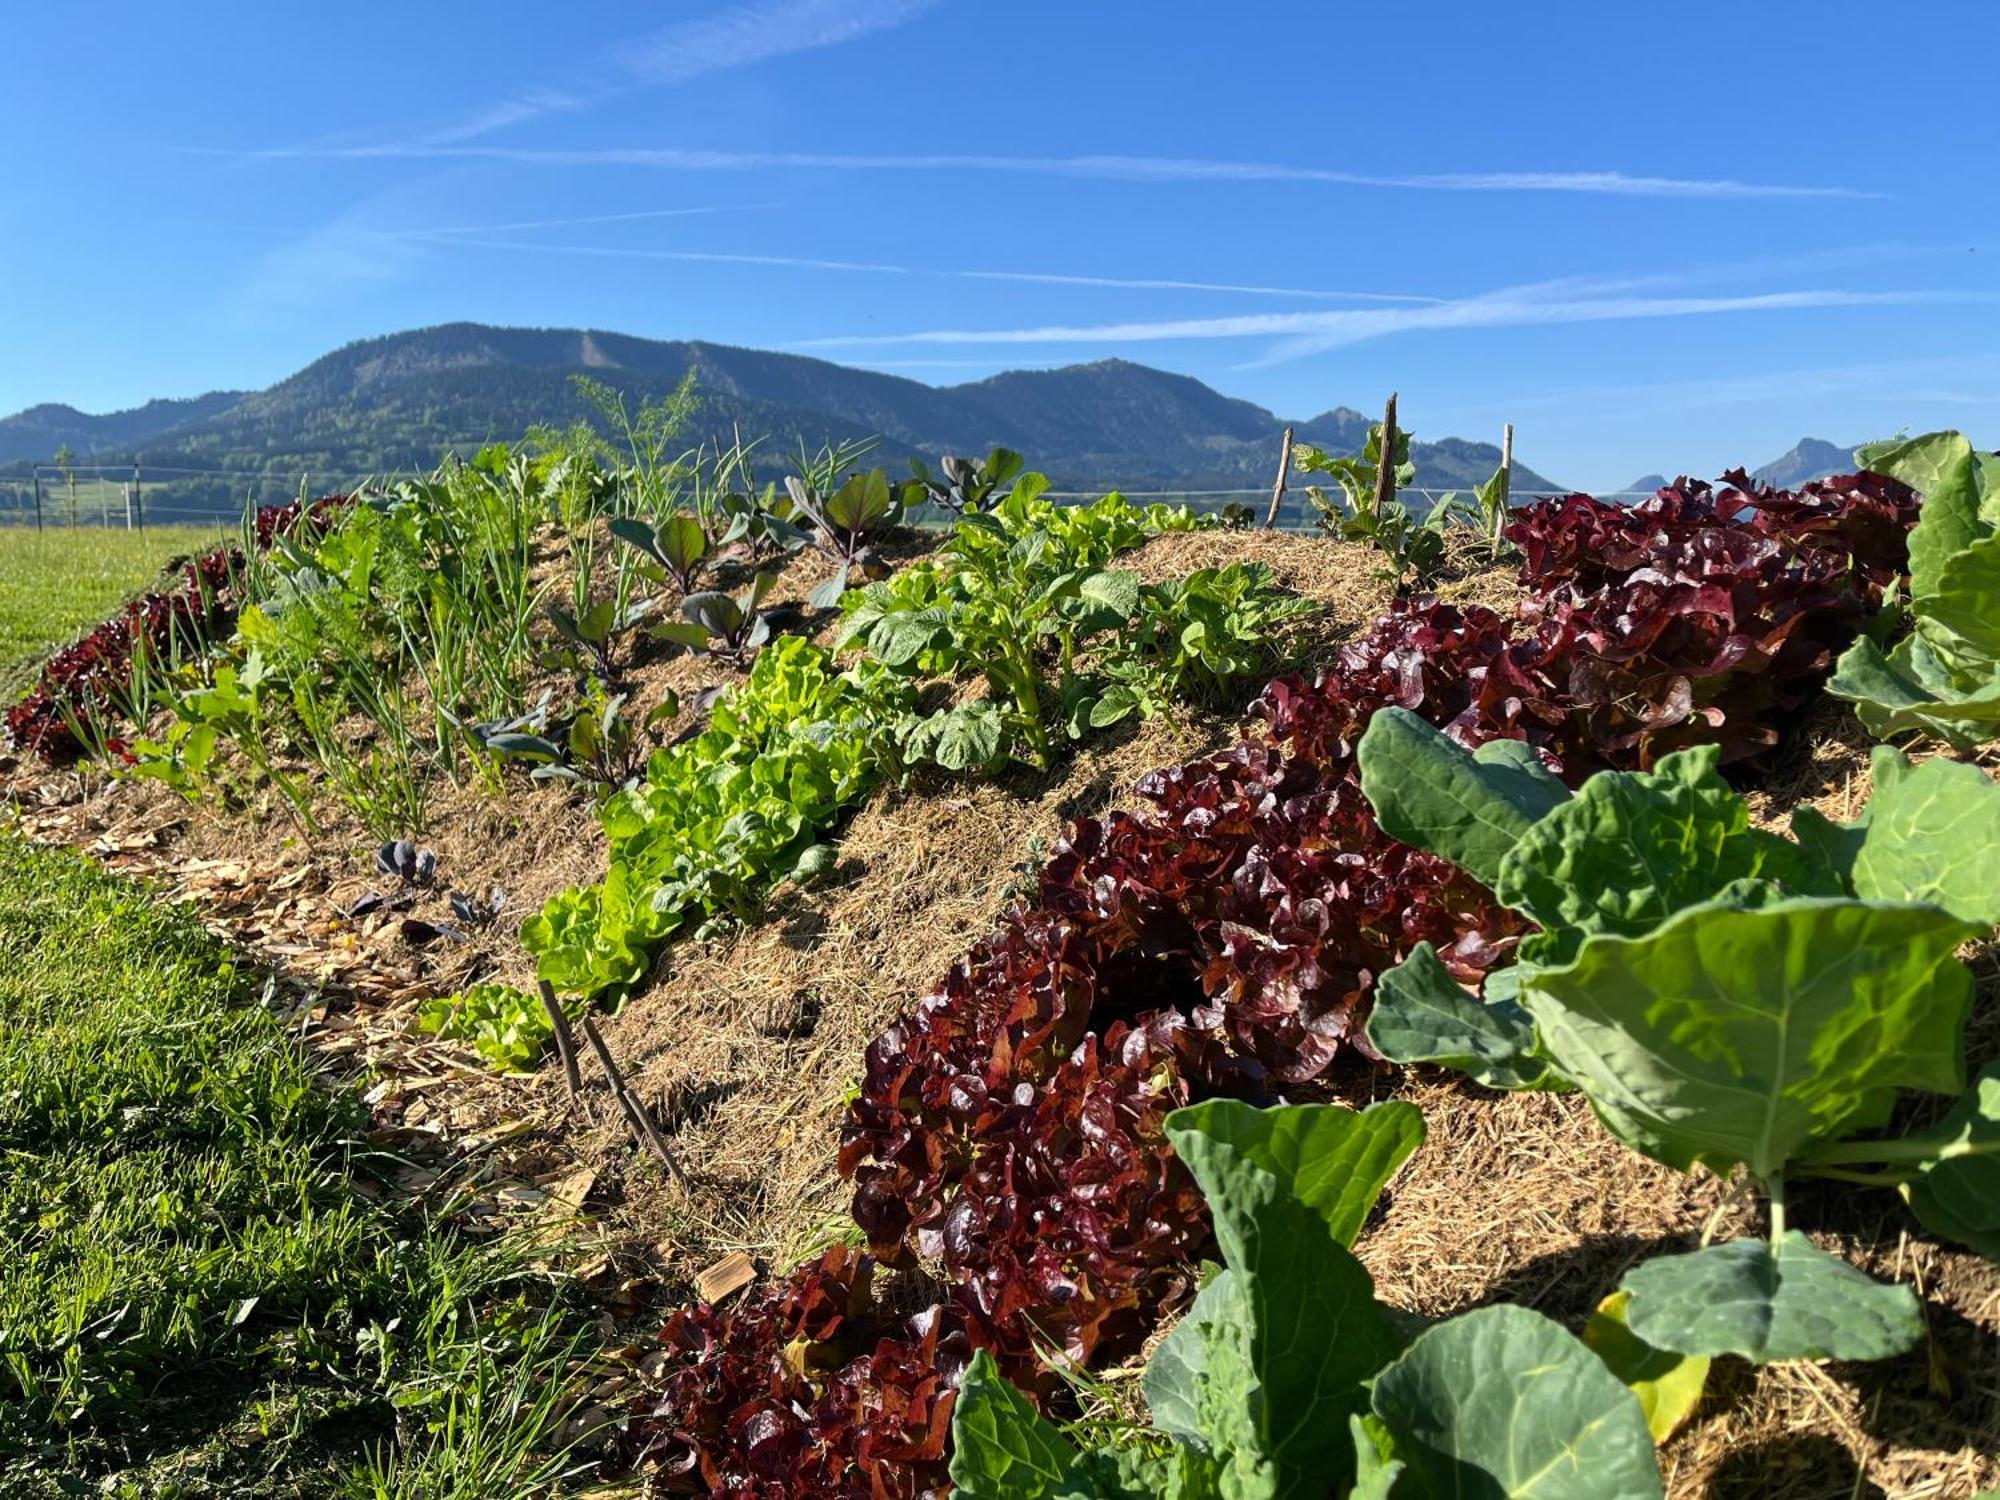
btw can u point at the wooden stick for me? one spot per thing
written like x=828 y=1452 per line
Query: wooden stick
x=642 y=1125
x=1278 y=489
x=1385 y=471
x=1507 y=453
x=565 y=1044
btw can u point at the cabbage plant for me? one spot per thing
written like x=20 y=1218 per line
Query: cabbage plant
x=1288 y=1379
x=1723 y=996
x=1943 y=678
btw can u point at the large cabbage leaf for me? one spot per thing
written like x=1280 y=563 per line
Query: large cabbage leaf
x=1291 y=1326
x=1943 y=678
x=1930 y=833
x=1631 y=849
x=1285 y=1380
x=1735 y=1035
x=1502 y=1402
x=1769 y=1302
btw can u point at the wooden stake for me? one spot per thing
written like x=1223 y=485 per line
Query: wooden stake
x=643 y=1128
x=1507 y=453
x=565 y=1043
x=1278 y=489
x=1385 y=471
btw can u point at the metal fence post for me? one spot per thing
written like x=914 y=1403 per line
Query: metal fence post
x=38 y=499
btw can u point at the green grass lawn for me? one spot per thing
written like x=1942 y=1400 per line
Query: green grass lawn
x=193 y=1299
x=57 y=583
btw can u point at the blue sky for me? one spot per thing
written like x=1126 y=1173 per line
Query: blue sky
x=1654 y=237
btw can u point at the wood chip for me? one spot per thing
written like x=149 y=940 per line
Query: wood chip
x=731 y=1274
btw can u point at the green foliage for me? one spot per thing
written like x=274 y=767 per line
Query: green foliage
x=1422 y=1015
x=721 y=624
x=234 y=706
x=1472 y=810
x=1930 y=833
x=1023 y=597
x=1411 y=549
x=1285 y=1379
x=842 y=517
x=595 y=938
x=194 y=1298
x=678 y=544
x=1513 y=1398
x=719 y=819
x=1739 y=1036
x=1485 y=515
x=1292 y=1315
x=57 y=583
x=506 y=1026
x=1764 y=1302
x=601 y=748
x=1955 y=1189
x=1721 y=995
x=1943 y=678
x=965 y=485
x=410 y=617
x=1669 y=1386
x=1192 y=640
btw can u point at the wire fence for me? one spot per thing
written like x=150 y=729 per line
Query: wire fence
x=135 y=497
x=1297 y=512
x=129 y=497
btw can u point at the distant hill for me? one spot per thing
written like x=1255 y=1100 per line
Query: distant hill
x=397 y=403
x=38 y=432
x=1812 y=459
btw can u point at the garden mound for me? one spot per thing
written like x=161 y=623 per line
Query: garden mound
x=745 y=1046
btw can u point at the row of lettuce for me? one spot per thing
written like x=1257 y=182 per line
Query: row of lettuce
x=1024 y=597
x=1497 y=845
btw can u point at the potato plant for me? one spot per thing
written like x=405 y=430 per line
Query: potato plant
x=1023 y=596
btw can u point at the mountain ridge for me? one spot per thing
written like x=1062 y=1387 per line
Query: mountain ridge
x=1809 y=459
x=397 y=401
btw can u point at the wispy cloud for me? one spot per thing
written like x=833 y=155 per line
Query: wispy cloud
x=1972 y=380
x=882 y=268
x=1301 y=333
x=1117 y=168
x=332 y=262
x=357 y=250
x=532 y=105
x=443 y=231
x=752 y=33
x=733 y=38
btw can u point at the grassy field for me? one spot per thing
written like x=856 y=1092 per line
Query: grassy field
x=194 y=1300
x=54 y=584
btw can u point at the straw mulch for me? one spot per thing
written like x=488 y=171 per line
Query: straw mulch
x=743 y=1046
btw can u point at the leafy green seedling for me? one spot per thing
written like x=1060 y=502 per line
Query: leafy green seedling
x=970 y=485
x=678 y=544
x=844 y=522
x=722 y=624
